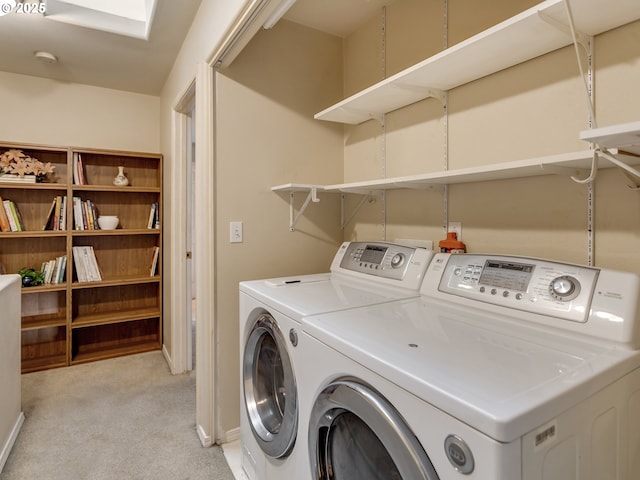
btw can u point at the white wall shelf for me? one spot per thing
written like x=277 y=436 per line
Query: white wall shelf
x=625 y=137
x=532 y=33
x=576 y=164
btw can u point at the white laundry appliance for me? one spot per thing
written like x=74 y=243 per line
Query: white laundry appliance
x=271 y=311
x=505 y=368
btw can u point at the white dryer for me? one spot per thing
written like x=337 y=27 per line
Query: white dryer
x=271 y=311
x=505 y=368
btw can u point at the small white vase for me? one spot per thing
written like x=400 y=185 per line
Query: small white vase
x=120 y=180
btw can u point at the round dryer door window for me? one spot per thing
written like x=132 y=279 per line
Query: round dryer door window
x=270 y=388
x=355 y=434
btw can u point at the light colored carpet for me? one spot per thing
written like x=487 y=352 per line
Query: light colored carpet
x=125 y=418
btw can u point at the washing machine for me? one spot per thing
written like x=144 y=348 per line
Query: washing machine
x=271 y=311
x=505 y=368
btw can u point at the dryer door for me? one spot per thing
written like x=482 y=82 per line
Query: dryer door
x=270 y=388
x=355 y=434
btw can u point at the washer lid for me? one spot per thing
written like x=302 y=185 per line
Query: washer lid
x=304 y=295
x=498 y=376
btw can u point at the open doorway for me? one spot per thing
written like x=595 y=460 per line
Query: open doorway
x=190 y=315
x=192 y=178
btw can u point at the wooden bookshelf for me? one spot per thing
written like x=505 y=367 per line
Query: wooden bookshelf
x=76 y=322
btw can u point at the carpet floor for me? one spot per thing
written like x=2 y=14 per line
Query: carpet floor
x=124 y=418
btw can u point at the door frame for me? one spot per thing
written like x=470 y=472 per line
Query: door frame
x=202 y=91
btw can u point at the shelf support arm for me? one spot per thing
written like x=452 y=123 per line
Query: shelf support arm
x=312 y=196
x=582 y=39
x=427 y=92
x=631 y=173
x=343 y=223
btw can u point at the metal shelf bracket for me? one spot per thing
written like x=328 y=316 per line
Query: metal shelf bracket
x=370 y=197
x=312 y=196
x=582 y=39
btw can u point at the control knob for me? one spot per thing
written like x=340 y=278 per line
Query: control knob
x=397 y=260
x=564 y=288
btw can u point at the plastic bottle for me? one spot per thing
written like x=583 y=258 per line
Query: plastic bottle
x=451 y=244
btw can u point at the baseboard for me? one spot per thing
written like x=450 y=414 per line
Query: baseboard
x=231 y=435
x=167 y=358
x=6 y=449
x=227 y=437
x=205 y=439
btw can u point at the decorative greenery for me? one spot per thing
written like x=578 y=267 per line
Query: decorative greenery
x=16 y=162
x=31 y=277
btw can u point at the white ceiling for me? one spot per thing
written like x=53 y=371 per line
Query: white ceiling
x=96 y=57
x=109 y=60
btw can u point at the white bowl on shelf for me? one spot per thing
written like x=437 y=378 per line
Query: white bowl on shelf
x=108 y=222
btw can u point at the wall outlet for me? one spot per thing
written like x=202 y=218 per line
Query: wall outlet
x=235 y=232
x=455 y=227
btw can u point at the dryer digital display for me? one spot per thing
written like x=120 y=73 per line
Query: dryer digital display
x=373 y=254
x=514 y=276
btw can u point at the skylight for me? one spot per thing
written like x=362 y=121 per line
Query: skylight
x=132 y=18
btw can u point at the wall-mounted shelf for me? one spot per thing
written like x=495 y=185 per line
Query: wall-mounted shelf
x=292 y=189
x=577 y=164
x=530 y=34
x=625 y=137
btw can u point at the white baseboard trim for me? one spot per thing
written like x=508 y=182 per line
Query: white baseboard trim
x=167 y=358
x=6 y=449
x=231 y=435
x=205 y=439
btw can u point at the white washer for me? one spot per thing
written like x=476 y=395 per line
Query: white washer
x=505 y=368
x=271 y=311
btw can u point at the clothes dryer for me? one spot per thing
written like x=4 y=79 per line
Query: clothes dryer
x=271 y=311
x=505 y=368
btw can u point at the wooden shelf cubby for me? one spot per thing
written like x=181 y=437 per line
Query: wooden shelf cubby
x=75 y=322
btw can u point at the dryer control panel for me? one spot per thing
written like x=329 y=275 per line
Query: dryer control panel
x=596 y=302
x=534 y=285
x=381 y=259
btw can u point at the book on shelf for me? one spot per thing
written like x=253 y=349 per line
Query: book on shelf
x=154 y=261
x=5 y=226
x=62 y=223
x=12 y=178
x=84 y=259
x=54 y=270
x=57 y=216
x=154 y=217
x=48 y=223
x=79 y=177
x=85 y=215
x=13 y=216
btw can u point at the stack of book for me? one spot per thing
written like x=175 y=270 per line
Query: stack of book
x=54 y=270
x=79 y=177
x=57 y=217
x=10 y=218
x=85 y=215
x=86 y=264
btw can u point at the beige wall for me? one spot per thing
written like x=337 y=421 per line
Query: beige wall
x=38 y=110
x=266 y=136
x=206 y=33
x=534 y=109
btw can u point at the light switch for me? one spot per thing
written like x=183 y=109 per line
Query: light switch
x=235 y=232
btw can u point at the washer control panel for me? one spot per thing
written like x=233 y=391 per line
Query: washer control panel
x=378 y=258
x=538 y=286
